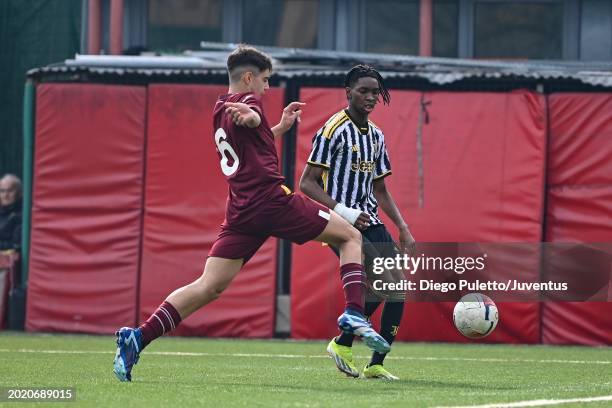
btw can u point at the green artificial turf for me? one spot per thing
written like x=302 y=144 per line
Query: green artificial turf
x=177 y=372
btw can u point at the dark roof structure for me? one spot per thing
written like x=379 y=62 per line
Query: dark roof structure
x=327 y=68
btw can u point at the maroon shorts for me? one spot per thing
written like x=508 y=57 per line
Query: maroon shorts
x=288 y=216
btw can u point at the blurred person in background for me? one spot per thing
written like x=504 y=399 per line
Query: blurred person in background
x=10 y=212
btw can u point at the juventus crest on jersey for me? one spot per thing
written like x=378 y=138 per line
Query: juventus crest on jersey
x=353 y=158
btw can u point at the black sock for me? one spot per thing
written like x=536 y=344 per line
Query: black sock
x=346 y=339
x=389 y=325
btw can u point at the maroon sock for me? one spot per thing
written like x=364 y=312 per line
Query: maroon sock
x=353 y=284
x=164 y=319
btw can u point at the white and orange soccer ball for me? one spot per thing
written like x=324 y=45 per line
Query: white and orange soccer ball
x=475 y=316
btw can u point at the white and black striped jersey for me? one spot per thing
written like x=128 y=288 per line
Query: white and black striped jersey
x=353 y=158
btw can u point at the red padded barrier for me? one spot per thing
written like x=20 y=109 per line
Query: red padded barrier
x=579 y=168
x=587 y=324
x=87 y=205
x=483 y=156
x=185 y=206
x=579 y=204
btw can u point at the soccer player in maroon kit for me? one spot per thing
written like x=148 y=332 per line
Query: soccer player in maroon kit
x=258 y=206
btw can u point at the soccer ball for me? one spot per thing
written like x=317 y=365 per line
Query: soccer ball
x=475 y=315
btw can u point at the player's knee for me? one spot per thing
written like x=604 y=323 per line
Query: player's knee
x=354 y=236
x=212 y=291
x=350 y=237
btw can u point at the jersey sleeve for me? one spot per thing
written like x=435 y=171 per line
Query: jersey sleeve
x=327 y=141
x=323 y=147
x=253 y=102
x=383 y=165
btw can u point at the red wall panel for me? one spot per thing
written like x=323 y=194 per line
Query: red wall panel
x=483 y=162
x=579 y=168
x=483 y=177
x=579 y=205
x=87 y=204
x=577 y=323
x=185 y=206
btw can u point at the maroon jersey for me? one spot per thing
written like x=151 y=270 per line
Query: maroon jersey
x=248 y=159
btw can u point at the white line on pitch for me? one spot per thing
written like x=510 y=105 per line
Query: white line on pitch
x=263 y=355
x=537 y=403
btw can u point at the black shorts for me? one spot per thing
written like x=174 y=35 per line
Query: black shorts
x=377 y=242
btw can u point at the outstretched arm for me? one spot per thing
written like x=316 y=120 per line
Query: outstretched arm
x=291 y=113
x=242 y=114
x=309 y=185
x=387 y=204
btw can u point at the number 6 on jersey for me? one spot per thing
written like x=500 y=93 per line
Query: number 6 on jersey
x=223 y=146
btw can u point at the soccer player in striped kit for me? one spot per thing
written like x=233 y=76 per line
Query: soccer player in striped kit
x=346 y=172
x=259 y=206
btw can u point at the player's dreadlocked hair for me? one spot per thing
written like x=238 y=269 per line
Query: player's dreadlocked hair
x=360 y=71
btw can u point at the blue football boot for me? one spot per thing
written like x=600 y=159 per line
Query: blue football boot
x=353 y=322
x=129 y=345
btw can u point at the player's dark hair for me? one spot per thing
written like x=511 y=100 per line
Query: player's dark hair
x=247 y=56
x=360 y=71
